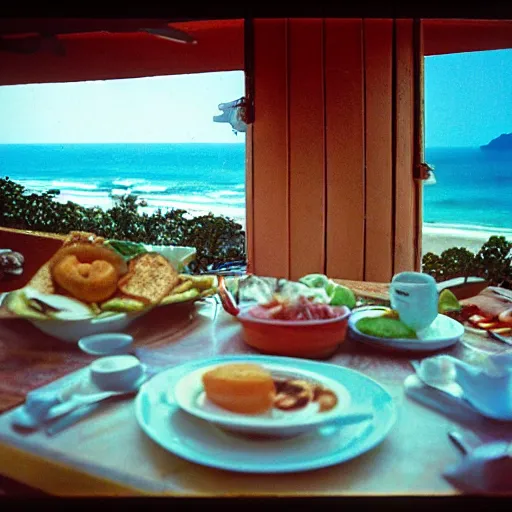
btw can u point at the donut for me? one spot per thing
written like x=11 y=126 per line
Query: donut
x=89 y=282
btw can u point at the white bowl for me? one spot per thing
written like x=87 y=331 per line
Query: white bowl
x=72 y=330
x=188 y=393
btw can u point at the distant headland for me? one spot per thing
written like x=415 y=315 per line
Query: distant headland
x=501 y=143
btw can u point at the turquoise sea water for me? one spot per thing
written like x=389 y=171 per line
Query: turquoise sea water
x=473 y=187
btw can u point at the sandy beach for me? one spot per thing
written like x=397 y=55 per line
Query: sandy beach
x=439 y=237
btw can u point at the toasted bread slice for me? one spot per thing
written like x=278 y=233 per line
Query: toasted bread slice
x=151 y=277
x=42 y=280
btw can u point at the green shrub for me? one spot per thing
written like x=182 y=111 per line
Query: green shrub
x=217 y=239
x=493 y=262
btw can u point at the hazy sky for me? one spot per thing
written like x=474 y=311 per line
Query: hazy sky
x=468 y=101
x=156 y=109
x=468 y=98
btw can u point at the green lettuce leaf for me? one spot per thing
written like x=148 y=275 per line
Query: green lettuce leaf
x=127 y=250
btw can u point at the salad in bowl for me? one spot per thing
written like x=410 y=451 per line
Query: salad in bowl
x=307 y=318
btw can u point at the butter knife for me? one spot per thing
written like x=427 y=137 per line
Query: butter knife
x=71 y=418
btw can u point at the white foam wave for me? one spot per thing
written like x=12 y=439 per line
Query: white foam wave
x=33 y=184
x=73 y=184
x=223 y=193
x=127 y=182
x=441 y=226
x=150 y=188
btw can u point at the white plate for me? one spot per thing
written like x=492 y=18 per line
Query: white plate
x=201 y=442
x=444 y=332
x=188 y=393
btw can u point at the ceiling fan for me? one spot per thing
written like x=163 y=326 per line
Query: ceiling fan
x=31 y=36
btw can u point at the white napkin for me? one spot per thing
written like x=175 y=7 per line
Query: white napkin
x=486 y=389
x=37 y=405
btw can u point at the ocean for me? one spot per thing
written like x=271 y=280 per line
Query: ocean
x=473 y=187
x=195 y=177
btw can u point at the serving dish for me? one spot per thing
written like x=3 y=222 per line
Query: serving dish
x=61 y=314
x=443 y=333
x=189 y=394
x=201 y=442
x=316 y=338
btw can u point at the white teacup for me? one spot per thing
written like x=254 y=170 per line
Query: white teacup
x=415 y=297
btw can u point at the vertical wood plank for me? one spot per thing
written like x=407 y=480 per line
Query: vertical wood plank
x=419 y=131
x=270 y=150
x=249 y=170
x=378 y=37
x=405 y=187
x=307 y=169
x=344 y=148
x=249 y=200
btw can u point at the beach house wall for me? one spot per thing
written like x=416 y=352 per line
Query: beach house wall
x=334 y=179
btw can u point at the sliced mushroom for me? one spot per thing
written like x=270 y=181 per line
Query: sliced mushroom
x=327 y=400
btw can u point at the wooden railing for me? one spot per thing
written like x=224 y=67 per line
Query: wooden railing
x=36 y=248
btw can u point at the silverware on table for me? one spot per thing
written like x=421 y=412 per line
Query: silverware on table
x=499 y=337
x=465 y=441
x=71 y=418
x=485 y=467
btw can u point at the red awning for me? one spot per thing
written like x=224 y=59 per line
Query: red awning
x=123 y=52
x=457 y=36
x=101 y=49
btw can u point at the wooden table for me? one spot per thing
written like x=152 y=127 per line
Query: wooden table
x=108 y=453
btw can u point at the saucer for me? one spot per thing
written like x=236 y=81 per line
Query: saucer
x=442 y=333
x=201 y=442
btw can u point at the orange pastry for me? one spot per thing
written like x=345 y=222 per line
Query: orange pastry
x=240 y=387
x=90 y=282
x=89 y=252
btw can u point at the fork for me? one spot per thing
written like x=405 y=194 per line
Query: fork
x=499 y=337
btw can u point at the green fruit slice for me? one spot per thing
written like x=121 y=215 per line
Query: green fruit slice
x=341 y=295
x=123 y=305
x=448 y=302
x=385 y=327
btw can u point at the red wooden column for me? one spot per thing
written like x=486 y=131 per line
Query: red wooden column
x=332 y=141
x=269 y=239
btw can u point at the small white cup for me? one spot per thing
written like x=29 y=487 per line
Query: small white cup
x=116 y=373
x=415 y=297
